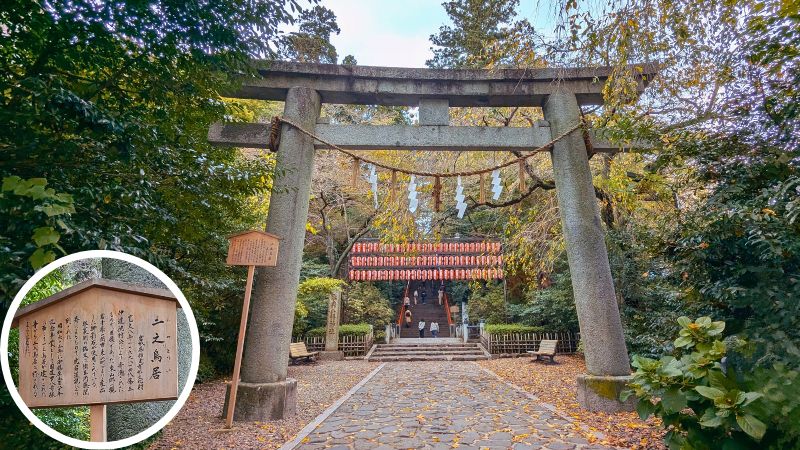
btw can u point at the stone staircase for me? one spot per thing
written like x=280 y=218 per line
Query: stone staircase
x=428 y=350
x=430 y=311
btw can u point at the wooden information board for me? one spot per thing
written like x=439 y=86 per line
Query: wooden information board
x=249 y=248
x=253 y=248
x=98 y=342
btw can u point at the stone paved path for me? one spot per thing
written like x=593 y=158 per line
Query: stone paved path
x=437 y=404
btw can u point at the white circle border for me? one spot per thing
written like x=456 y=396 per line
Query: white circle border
x=184 y=395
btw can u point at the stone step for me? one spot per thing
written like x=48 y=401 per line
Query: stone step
x=418 y=346
x=427 y=348
x=428 y=358
x=428 y=352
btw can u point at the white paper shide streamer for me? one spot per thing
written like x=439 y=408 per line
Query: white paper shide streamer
x=497 y=187
x=412 y=195
x=373 y=181
x=461 y=205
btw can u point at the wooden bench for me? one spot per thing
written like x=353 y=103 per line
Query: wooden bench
x=546 y=348
x=298 y=350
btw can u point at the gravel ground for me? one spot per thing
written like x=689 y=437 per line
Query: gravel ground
x=199 y=425
x=555 y=384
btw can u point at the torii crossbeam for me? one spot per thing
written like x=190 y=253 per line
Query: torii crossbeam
x=433 y=91
x=265 y=392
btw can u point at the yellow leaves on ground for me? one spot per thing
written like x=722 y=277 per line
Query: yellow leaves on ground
x=555 y=384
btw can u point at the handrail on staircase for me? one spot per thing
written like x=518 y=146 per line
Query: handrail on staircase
x=447 y=310
x=403 y=305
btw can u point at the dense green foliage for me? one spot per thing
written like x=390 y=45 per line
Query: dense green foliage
x=511 y=328
x=365 y=303
x=104 y=113
x=709 y=402
x=347 y=329
x=312 y=303
x=488 y=303
x=552 y=309
x=741 y=252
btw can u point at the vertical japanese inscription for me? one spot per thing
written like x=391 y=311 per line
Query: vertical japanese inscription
x=93 y=352
x=253 y=249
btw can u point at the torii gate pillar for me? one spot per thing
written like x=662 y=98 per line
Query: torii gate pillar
x=264 y=392
x=607 y=360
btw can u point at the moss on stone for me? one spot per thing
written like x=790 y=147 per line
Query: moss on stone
x=605 y=388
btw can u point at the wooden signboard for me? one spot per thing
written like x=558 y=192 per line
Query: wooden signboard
x=96 y=343
x=253 y=248
x=249 y=248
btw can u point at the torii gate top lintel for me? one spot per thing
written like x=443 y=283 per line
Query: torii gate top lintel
x=400 y=86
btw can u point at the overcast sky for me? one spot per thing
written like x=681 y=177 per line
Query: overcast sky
x=395 y=32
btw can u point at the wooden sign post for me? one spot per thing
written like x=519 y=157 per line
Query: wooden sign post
x=250 y=248
x=96 y=343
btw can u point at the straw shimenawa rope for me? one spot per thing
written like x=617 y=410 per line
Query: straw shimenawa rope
x=274 y=140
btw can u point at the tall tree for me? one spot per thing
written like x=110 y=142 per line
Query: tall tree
x=312 y=41
x=477 y=25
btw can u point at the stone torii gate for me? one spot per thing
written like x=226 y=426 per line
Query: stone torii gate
x=265 y=392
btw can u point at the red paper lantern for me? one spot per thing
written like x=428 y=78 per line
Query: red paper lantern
x=499 y=260
x=500 y=273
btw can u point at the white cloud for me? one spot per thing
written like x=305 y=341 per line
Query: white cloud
x=386 y=33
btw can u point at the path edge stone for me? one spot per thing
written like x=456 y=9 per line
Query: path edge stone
x=311 y=426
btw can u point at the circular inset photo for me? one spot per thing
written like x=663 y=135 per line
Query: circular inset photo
x=100 y=349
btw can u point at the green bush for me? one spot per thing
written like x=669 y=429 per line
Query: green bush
x=312 y=303
x=365 y=303
x=511 y=328
x=206 y=371
x=344 y=330
x=552 y=308
x=706 y=402
x=488 y=303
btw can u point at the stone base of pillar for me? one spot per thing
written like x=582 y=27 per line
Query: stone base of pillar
x=601 y=393
x=263 y=401
x=331 y=355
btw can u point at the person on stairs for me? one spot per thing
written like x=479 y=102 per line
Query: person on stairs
x=435 y=329
x=422 y=328
x=407 y=302
x=424 y=295
x=416 y=296
x=441 y=294
x=408 y=319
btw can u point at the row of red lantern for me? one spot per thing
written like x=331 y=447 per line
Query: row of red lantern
x=426 y=260
x=427 y=247
x=426 y=274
